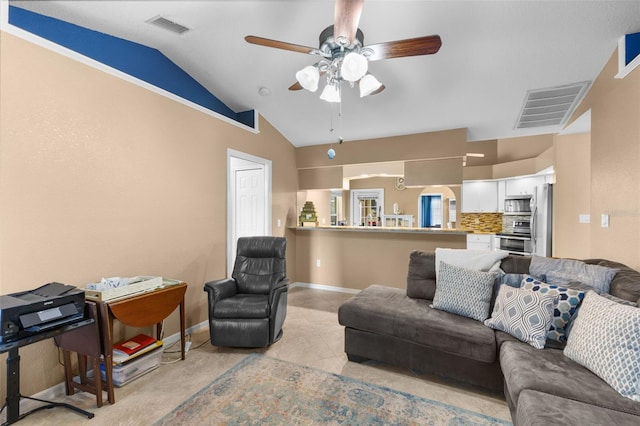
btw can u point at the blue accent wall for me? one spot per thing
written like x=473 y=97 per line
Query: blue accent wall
x=632 y=47
x=135 y=59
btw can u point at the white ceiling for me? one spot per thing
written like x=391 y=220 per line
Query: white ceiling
x=492 y=53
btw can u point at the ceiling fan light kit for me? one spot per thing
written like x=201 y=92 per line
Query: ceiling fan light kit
x=344 y=56
x=308 y=77
x=331 y=93
x=354 y=66
x=368 y=85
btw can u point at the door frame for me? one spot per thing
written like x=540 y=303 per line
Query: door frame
x=232 y=167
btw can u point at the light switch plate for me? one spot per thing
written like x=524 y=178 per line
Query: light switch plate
x=604 y=221
x=584 y=218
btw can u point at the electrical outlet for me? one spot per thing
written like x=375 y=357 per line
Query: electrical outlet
x=318 y=263
x=278 y=223
x=187 y=346
x=584 y=218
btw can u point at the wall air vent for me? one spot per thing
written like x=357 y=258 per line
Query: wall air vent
x=551 y=106
x=168 y=24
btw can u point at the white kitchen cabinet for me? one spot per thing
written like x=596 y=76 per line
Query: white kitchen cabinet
x=479 y=196
x=502 y=187
x=523 y=185
x=480 y=241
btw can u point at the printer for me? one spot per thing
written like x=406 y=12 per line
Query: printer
x=35 y=311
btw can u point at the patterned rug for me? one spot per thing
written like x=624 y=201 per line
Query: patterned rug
x=267 y=391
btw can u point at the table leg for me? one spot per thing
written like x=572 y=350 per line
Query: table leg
x=182 y=329
x=106 y=322
x=13 y=386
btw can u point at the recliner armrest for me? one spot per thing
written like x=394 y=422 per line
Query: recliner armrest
x=278 y=289
x=221 y=289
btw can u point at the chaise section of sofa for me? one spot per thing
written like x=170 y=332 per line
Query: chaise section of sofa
x=383 y=324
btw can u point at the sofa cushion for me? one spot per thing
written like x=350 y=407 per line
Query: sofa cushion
x=523 y=314
x=626 y=283
x=388 y=311
x=566 y=305
x=478 y=260
x=563 y=271
x=514 y=264
x=542 y=409
x=605 y=338
x=421 y=278
x=464 y=291
x=549 y=371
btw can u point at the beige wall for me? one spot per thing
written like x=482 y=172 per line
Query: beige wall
x=615 y=155
x=102 y=178
x=572 y=196
x=357 y=259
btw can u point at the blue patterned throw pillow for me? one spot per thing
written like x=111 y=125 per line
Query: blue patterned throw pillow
x=464 y=291
x=566 y=305
x=606 y=339
x=524 y=314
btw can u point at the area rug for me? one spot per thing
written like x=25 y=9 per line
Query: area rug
x=267 y=391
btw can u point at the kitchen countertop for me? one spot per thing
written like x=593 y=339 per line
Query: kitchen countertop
x=452 y=231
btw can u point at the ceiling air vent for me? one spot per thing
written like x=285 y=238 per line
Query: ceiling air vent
x=552 y=106
x=168 y=24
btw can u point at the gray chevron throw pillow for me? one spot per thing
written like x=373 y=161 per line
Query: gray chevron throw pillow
x=464 y=291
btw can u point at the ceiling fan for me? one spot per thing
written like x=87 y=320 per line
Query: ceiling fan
x=344 y=57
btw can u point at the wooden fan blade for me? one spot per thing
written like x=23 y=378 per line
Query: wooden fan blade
x=295 y=86
x=261 y=41
x=346 y=18
x=427 y=45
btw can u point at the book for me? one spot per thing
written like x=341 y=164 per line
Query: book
x=135 y=344
x=120 y=358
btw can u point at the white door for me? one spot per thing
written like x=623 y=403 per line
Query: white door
x=248 y=200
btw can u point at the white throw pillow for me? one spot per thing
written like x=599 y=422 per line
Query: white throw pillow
x=605 y=338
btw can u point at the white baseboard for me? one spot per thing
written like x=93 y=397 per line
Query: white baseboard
x=325 y=287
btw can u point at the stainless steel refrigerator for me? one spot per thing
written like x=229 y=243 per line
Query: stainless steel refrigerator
x=541 y=220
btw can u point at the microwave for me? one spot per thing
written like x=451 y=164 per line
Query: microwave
x=517 y=204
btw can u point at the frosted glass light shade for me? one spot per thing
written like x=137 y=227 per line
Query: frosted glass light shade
x=354 y=66
x=330 y=93
x=368 y=85
x=308 y=78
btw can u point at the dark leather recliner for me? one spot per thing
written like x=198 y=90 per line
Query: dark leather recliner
x=248 y=309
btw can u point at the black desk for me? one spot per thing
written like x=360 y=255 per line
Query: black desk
x=13 y=373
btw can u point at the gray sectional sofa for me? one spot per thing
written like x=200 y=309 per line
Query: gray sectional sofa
x=541 y=386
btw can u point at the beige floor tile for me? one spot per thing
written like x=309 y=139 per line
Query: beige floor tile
x=312 y=337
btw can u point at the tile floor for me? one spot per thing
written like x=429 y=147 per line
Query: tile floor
x=312 y=337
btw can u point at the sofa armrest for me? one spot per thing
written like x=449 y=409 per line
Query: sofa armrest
x=421 y=277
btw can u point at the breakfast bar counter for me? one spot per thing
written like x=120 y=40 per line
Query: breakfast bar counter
x=449 y=231
x=355 y=257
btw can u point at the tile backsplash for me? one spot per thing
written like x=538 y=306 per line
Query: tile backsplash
x=481 y=222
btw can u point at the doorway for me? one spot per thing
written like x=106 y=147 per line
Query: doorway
x=366 y=206
x=430 y=211
x=248 y=200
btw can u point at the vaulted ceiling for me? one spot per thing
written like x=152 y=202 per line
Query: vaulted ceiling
x=492 y=53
